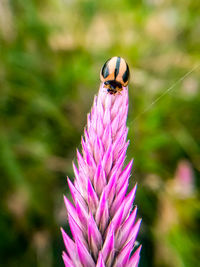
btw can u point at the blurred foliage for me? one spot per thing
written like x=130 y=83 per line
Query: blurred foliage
x=51 y=53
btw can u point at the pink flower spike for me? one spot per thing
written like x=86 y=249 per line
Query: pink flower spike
x=101 y=218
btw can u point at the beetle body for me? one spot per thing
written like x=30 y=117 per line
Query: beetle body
x=115 y=74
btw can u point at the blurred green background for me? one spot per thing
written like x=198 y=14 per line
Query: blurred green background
x=51 y=52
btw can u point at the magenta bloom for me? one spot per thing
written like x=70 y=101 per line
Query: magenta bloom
x=101 y=219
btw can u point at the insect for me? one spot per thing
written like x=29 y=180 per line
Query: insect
x=115 y=75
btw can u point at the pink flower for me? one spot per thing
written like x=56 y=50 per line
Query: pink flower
x=101 y=219
x=183 y=183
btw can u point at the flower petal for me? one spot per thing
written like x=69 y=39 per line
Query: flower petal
x=110 y=189
x=76 y=230
x=124 y=255
x=100 y=261
x=84 y=255
x=76 y=195
x=119 y=198
x=67 y=260
x=129 y=202
x=94 y=236
x=134 y=260
x=124 y=176
x=117 y=219
x=99 y=179
x=71 y=248
x=107 y=137
x=71 y=209
x=107 y=160
x=126 y=229
x=93 y=200
x=108 y=247
x=98 y=150
x=102 y=214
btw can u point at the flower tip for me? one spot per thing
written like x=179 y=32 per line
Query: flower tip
x=68 y=180
x=139 y=249
x=63 y=233
x=62 y=230
x=138 y=223
x=135 y=187
x=65 y=199
x=134 y=260
x=71 y=186
x=65 y=237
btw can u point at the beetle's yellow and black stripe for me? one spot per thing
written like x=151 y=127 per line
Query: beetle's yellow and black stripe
x=115 y=74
